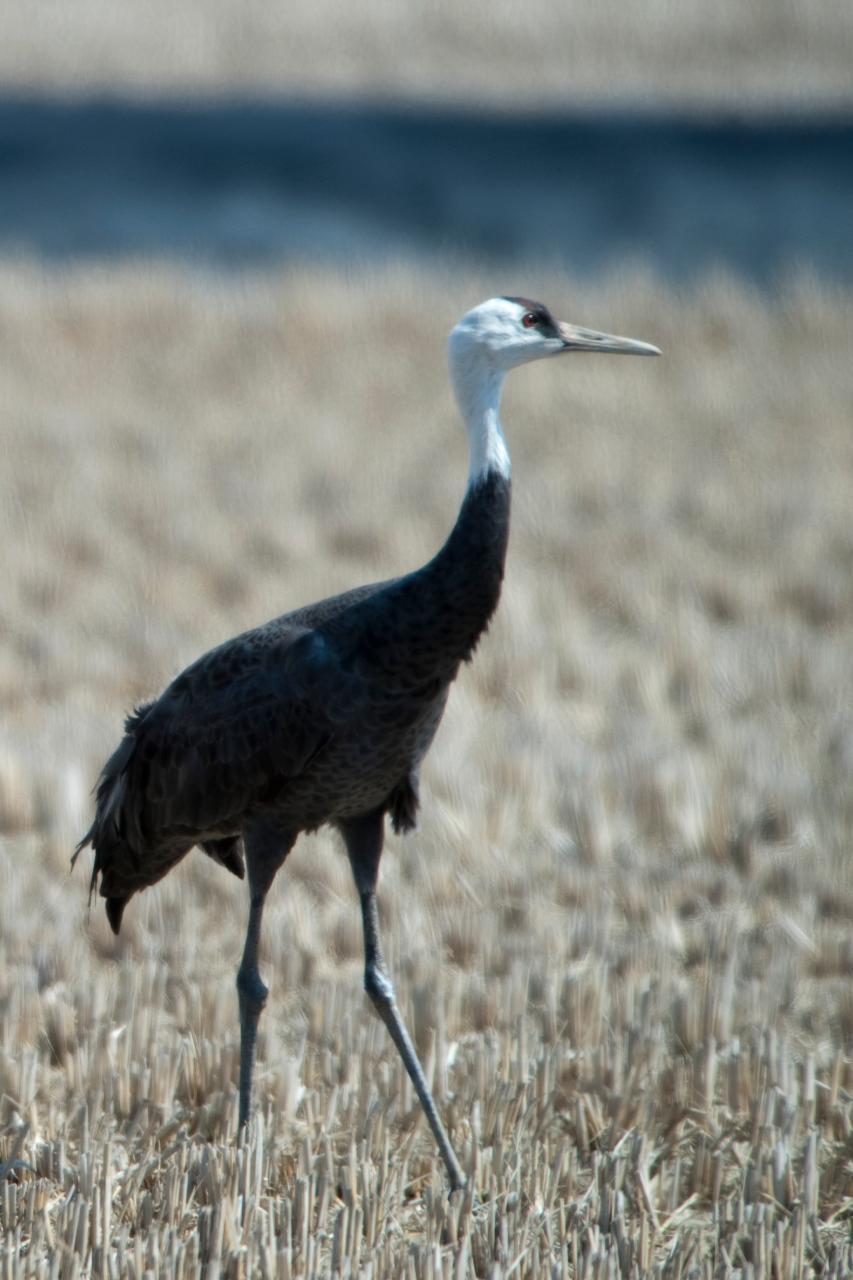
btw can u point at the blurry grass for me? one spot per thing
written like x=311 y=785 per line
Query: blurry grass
x=729 y=54
x=623 y=933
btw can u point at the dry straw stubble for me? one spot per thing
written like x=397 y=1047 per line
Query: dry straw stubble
x=623 y=933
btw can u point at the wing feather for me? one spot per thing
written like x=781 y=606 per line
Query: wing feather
x=244 y=718
x=230 y=733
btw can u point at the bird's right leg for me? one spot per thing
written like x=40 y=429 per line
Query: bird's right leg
x=363 y=838
x=264 y=856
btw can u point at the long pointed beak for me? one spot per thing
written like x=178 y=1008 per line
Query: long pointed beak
x=577 y=339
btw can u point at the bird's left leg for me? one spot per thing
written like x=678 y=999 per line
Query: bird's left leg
x=363 y=837
x=265 y=852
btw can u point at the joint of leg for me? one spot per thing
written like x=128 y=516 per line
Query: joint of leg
x=251 y=989
x=378 y=986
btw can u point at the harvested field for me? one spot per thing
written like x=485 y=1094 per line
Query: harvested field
x=624 y=933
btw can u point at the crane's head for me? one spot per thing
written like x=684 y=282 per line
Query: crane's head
x=505 y=332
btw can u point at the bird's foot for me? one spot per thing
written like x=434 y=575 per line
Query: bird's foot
x=9 y=1167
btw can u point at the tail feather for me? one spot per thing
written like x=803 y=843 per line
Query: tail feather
x=87 y=839
x=115 y=910
x=106 y=834
x=127 y=858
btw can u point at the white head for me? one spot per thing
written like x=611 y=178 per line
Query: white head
x=494 y=338
x=505 y=332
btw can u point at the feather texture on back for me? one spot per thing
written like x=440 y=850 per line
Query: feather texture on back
x=312 y=718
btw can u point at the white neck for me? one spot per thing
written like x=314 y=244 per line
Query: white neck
x=478 y=389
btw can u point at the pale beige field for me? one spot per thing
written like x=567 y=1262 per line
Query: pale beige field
x=730 y=54
x=624 y=932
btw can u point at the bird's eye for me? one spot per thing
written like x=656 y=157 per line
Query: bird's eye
x=528 y=320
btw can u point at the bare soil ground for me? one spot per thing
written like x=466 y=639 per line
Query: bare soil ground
x=624 y=933
x=729 y=54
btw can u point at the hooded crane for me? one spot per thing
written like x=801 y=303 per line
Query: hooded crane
x=324 y=715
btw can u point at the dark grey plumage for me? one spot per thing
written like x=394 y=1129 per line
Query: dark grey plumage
x=324 y=715
x=319 y=716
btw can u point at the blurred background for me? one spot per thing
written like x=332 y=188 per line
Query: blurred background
x=689 y=137
x=233 y=237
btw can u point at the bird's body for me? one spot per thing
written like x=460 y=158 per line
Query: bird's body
x=317 y=717
x=324 y=715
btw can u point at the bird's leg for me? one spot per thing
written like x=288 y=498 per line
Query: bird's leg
x=263 y=859
x=252 y=994
x=364 y=846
